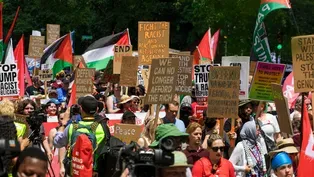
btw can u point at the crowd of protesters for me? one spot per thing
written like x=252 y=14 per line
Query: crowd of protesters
x=203 y=150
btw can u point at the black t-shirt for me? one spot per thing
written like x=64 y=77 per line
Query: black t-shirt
x=31 y=90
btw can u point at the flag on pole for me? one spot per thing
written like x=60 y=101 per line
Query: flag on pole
x=260 y=40
x=99 y=53
x=213 y=44
x=204 y=47
x=306 y=161
x=8 y=36
x=58 y=55
x=20 y=60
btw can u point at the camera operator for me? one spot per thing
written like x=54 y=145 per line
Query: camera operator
x=27 y=107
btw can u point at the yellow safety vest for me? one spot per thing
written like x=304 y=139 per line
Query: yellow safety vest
x=20 y=128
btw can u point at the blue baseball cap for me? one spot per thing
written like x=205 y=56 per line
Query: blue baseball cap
x=280 y=159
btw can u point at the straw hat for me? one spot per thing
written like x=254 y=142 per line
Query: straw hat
x=244 y=102
x=285 y=145
x=124 y=99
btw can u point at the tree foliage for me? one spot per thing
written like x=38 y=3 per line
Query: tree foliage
x=189 y=20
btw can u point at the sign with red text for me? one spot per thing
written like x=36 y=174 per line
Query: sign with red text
x=153 y=41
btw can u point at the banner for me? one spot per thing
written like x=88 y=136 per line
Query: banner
x=36 y=46
x=119 y=52
x=282 y=110
x=129 y=72
x=223 y=92
x=53 y=33
x=303 y=66
x=244 y=63
x=9 y=80
x=260 y=40
x=201 y=80
x=153 y=41
x=162 y=81
x=265 y=74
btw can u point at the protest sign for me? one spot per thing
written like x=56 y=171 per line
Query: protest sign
x=9 y=80
x=119 y=52
x=127 y=132
x=282 y=109
x=153 y=41
x=199 y=110
x=201 y=80
x=265 y=74
x=184 y=80
x=244 y=63
x=76 y=60
x=162 y=80
x=303 y=66
x=53 y=33
x=252 y=67
x=223 y=91
x=83 y=81
x=143 y=75
x=129 y=72
x=36 y=46
x=45 y=75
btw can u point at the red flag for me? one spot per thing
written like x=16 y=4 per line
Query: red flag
x=7 y=38
x=196 y=61
x=214 y=44
x=64 y=51
x=125 y=39
x=19 y=57
x=204 y=47
x=306 y=162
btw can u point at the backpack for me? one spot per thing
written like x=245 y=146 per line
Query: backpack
x=79 y=161
x=109 y=155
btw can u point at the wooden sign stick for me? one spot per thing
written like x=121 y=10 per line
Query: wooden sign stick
x=232 y=141
x=156 y=120
x=221 y=127
x=45 y=89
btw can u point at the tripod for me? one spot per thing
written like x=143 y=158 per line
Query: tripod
x=36 y=140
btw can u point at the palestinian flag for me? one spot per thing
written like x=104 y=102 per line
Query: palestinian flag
x=204 y=47
x=260 y=40
x=99 y=53
x=58 y=55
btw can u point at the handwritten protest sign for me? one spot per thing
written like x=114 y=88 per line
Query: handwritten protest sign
x=127 y=132
x=201 y=80
x=184 y=80
x=129 y=72
x=83 y=81
x=45 y=75
x=153 y=41
x=303 y=66
x=9 y=80
x=162 y=80
x=119 y=52
x=265 y=74
x=223 y=91
x=36 y=46
x=282 y=109
x=53 y=33
x=244 y=63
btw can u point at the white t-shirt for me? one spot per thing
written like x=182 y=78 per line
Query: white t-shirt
x=270 y=126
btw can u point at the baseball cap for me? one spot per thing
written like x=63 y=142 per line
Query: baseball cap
x=280 y=159
x=88 y=103
x=166 y=130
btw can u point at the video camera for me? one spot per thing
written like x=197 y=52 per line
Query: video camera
x=145 y=163
x=34 y=121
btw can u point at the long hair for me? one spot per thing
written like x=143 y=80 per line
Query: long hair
x=21 y=105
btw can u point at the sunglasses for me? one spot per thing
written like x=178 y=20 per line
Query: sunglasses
x=215 y=149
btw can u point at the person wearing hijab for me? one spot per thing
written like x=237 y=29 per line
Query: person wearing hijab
x=248 y=156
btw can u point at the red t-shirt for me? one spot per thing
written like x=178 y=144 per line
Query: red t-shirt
x=225 y=168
